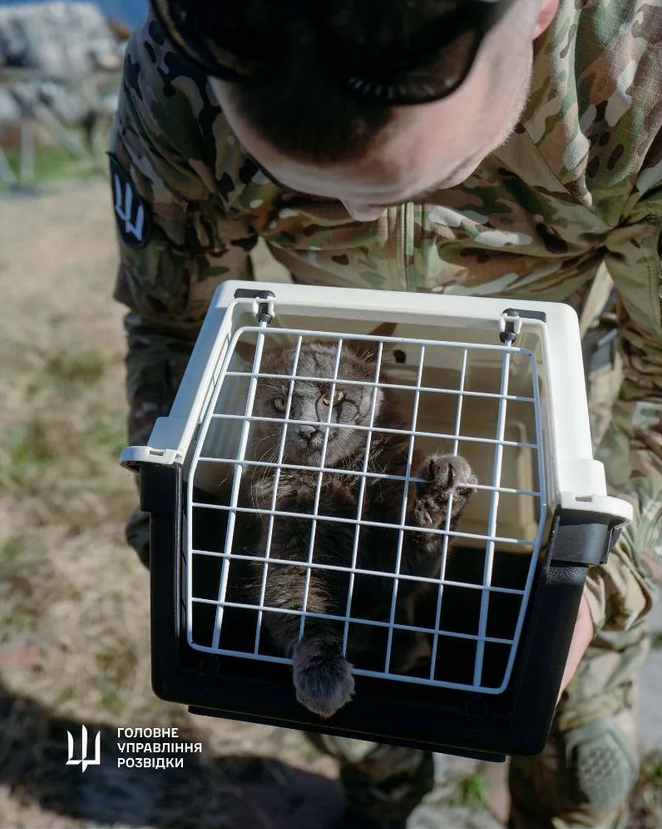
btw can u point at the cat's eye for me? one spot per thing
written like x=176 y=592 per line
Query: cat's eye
x=280 y=403
x=338 y=398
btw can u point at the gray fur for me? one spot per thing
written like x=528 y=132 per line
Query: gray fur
x=321 y=672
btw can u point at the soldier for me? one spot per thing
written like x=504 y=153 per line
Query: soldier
x=506 y=148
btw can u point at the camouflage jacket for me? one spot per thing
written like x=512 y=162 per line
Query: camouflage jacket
x=579 y=183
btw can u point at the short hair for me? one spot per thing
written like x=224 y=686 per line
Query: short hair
x=305 y=112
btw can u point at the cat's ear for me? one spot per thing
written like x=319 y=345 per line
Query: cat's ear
x=367 y=349
x=245 y=350
x=384 y=329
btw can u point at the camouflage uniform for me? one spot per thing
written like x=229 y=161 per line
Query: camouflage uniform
x=577 y=186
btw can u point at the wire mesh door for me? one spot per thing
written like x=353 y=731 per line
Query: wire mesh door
x=283 y=419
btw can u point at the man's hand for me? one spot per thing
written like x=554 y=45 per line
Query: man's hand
x=581 y=638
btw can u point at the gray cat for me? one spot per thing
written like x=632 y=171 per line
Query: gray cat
x=322 y=674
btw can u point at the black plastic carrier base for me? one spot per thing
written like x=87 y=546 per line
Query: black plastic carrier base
x=477 y=725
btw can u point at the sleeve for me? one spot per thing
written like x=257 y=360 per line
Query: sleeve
x=623 y=590
x=176 y=177
x=174 y=174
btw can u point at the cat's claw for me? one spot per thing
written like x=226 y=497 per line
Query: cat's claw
x=322 y=677
x=443 y=476
x=449 y=473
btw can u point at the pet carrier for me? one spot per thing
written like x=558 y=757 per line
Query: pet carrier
x=497 y=383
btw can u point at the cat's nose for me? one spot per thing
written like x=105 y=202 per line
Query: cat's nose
x=308 y=432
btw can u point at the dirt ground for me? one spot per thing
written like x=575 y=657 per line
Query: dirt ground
x=75 y=598
x=75 y=610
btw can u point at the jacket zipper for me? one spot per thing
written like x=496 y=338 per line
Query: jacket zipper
x=406 y=246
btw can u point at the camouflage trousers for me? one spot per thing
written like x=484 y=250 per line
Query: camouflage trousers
x=582 y=778
x=584 y=774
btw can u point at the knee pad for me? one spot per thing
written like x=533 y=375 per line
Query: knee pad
x=602 y=762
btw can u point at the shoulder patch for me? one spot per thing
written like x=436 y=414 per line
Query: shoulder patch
x=132 y=216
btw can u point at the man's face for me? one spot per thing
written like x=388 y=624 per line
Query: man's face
x=423 y=148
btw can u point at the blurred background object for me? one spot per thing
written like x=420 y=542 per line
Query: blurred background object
x=60 y=68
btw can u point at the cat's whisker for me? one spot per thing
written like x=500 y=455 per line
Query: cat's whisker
x=269 y=456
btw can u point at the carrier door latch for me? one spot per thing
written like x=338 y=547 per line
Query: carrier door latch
x=264 y=309
x=510 y=323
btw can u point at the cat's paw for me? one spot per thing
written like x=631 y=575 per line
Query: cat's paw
x=322 y=676
x=443 y=476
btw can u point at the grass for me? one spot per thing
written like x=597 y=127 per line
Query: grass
x=73 y=370
x=470 y=791
x=646 y=800
x=54 y=163
x=74 y=599
x=28 y=447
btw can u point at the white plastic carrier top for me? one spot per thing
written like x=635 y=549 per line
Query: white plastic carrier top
x=551 y=350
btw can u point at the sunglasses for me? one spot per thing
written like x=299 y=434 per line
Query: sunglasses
x=386 y=52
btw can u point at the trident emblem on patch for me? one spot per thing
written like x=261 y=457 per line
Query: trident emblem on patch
x=83 y=761
x=131 y=213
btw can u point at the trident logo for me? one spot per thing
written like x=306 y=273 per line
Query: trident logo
x=84 y=762
x=124 y=207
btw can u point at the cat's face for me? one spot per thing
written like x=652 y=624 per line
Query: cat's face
x=325 y=408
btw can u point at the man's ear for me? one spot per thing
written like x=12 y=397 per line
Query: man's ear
x=547 y=14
